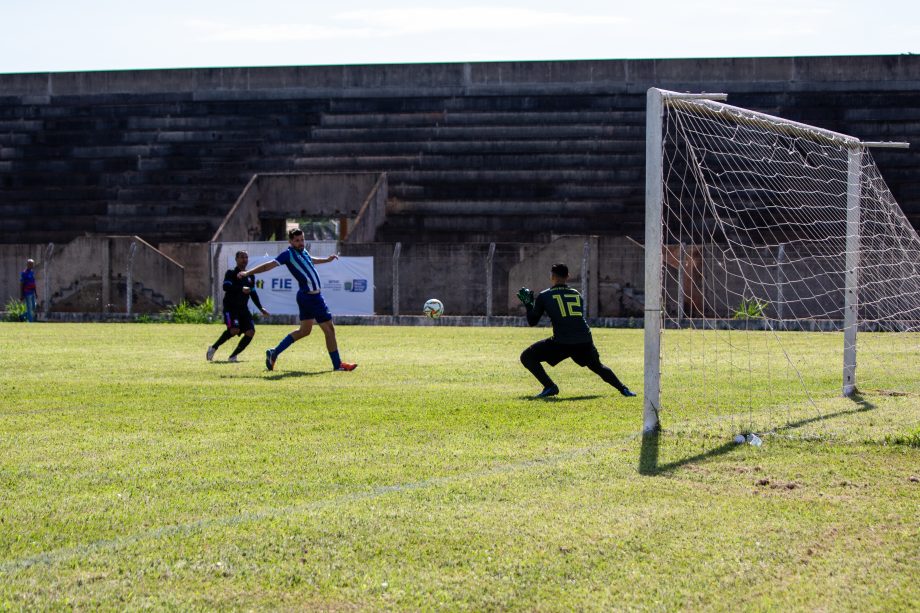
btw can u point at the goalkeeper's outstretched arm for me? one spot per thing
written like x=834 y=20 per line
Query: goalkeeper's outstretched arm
x=534 y=307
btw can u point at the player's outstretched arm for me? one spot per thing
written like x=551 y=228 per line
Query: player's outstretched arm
x=260 y=268
x=325 y=260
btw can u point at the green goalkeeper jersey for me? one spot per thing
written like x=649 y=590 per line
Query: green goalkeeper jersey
x=565 y=308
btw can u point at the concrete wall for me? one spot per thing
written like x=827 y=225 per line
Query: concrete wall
x=745 y=74
x=613 y=285
x=90 y=274
x=13 y=261
x=457 y=274
x=371 y=215
x=296 y=196
x=193 y=257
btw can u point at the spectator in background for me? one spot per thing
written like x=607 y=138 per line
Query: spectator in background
x=27 y=289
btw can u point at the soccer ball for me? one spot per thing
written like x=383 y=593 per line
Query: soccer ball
x=433 y=308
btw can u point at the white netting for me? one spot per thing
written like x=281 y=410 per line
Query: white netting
x=758 y=237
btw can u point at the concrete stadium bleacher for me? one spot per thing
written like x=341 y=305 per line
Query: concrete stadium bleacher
x=473 y=152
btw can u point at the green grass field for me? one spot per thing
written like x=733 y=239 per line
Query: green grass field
x=135 y=474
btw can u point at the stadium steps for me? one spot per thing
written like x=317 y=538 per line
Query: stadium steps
x=508 y=227
x=439 y=163
x=504 y=208
x=447 y=163
x=169 y=155
x=455 y=147
x=477 y=118
x=501 y=132
x=70 y=299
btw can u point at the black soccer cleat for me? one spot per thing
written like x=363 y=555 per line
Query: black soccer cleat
x=270 y=359
x=552 y=390
x=628 y=392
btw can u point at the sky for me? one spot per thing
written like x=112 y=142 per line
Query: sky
x=56 y=35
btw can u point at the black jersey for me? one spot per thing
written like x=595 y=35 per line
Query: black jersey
x=564 y=307
x=235 y=300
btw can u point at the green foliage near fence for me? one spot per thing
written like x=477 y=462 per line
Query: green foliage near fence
x=15 y=310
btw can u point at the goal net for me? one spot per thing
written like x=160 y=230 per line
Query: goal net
x=782 y=278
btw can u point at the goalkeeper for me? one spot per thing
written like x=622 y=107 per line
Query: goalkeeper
x=571 y=334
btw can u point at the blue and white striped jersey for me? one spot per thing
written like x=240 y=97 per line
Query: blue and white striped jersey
x=301 y=267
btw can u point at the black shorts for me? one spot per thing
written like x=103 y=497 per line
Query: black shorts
x=551 y=352
x=239 y=319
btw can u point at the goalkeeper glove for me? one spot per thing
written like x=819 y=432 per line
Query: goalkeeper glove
x=525 y=296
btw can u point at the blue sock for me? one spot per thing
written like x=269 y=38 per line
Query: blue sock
x=286 y=342
x=336 y=360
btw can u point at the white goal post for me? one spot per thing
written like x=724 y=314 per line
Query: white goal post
x=777 y=208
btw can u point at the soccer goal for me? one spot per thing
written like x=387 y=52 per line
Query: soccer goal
x=782 y=278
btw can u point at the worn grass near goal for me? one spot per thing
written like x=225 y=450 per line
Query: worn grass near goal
x=133 y=474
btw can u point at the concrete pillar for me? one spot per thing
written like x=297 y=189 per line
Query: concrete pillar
x=46 y=278
x=106 y=297
x=129 y=278
x=490 y=265
x=396 y=252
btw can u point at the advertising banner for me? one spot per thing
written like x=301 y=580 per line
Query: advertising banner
x=348 y=286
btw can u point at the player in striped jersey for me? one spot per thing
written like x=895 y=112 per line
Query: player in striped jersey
x=310 y=301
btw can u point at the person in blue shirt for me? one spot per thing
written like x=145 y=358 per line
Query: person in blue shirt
x=310 y=301
x=27 y=289
x=571 y=334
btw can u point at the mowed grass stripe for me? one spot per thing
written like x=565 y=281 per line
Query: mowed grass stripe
x=53 y=557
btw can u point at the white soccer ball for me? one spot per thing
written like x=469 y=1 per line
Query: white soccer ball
x=433 y=308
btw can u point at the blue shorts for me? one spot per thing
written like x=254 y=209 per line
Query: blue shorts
x=312 y=306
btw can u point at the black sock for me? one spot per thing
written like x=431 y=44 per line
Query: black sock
x=536 y=368
x=607 y=375
x=226 y=336
x=244 y=342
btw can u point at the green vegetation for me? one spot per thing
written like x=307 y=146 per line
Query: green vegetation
x=15 y=310
x=186 y=313
x=135 y=474
x=182 y=313
x=751 y=309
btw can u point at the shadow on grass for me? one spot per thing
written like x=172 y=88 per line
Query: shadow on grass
x=276 y=375
x=561 y=398
x=648 y=455
x=862 y=405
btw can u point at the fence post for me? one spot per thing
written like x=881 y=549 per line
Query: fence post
x=396 y=251
x=46 y=278
x=216 y=283
x=490 y=262
x=585 y=258
x=106 y=297
x=680 y=281
x=780 y=280
x=129 y=279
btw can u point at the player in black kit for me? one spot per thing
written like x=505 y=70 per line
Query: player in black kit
x=237 y=317
x=571 y=334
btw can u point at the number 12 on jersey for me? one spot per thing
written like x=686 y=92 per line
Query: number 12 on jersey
x=570 y=306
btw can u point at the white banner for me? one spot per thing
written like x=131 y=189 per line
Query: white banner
x=348 y=286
